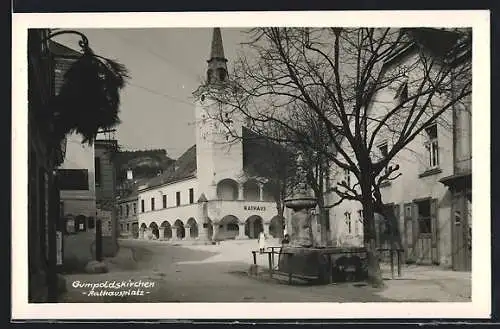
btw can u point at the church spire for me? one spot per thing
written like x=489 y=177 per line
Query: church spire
x=217 y=68
x=217 y=50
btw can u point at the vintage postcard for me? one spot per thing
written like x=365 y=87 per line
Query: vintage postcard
x=269 y=165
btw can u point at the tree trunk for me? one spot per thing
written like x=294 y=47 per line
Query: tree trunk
x=373 y=259
x=280 y=207
x=322 y=221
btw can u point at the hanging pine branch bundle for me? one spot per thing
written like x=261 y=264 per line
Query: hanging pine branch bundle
x=89 y=97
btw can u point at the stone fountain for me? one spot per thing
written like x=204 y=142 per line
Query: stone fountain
x=303 y=256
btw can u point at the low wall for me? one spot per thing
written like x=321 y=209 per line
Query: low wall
x=79 y=249
x=313 y=262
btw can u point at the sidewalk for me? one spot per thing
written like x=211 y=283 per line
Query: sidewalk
x=427 y=282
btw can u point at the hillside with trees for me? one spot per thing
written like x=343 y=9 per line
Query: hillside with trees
x=144 y=163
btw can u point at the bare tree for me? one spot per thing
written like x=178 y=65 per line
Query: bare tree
x=338 y=74
x=275 y=166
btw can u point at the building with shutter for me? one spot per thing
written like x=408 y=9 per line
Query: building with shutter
x=431 y=201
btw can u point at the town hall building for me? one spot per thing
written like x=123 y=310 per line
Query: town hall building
x=210 y=194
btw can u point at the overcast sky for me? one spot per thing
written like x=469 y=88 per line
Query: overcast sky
x=166 y=65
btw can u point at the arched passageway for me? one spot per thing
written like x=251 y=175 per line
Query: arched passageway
x=276 y=227
x=154 y=230
x=228 y=228
x=181 y=232
x=253 y=226
x=227 y=189
x=142 y=230
x=167 y=230
x=193 y=227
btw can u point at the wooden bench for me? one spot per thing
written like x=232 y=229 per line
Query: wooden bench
x=270 y=254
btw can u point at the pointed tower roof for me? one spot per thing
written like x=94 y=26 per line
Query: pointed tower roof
x=202 y=198
x=217 y=68
x=217 y=49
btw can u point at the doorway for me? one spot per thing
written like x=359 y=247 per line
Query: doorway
x=421 y=232
x=462 y=232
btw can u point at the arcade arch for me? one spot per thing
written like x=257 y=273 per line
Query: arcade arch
x=268 y=192
x=253 y=226
x=181 y=232
x=251 y=190
x=193 y=227
x=228 y=227
x=154 y=230
x=227 y=189
x=276 y=227
x=167 y=230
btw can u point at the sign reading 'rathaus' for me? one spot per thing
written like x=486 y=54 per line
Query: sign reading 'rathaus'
x=255 y=208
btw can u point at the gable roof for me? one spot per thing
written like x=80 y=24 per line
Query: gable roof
x=439 y=42
x=185 y=167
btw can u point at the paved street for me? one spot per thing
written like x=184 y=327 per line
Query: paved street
x=218 y=273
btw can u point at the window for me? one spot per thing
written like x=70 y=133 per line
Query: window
x=152 y=203
x=348 y=222
x=178 y=198
x=402 y=91
x=432 y=146
x=128 y=227
x=424 y=216
x=191 y=195
x=142 y=205
x=121 y=210
x=209 y=79
x=360 y=221
x=135 y=208
x=347 y=177
x=164 y=196
x=384 y=151
x=97 y=165
x=222 y=74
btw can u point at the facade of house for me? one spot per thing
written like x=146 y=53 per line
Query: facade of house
x=127 y=208
x=78 y=200
x=424 y=208
x=209 y=195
